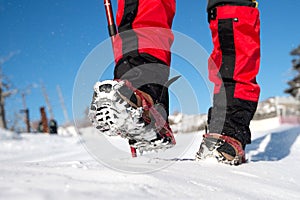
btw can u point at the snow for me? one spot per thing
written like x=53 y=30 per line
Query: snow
x=41 y=166
x=7 y=135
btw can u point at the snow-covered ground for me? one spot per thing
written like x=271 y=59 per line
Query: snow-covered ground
x=38 y=166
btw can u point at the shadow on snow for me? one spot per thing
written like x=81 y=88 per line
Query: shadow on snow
x=278 y=147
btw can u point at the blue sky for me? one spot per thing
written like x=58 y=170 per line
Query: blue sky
x=52 y=38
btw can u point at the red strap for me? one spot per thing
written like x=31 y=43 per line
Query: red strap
x=160 y=122
x=234 y=143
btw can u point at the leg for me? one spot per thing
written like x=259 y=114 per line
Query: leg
x=143 y=45
x=233 y=66
x=136 y=104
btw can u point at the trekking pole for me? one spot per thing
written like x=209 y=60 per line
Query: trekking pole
x=112 y=30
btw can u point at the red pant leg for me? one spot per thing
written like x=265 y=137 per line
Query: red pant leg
x=133 y=16
x=233 y=66
x=235 y=33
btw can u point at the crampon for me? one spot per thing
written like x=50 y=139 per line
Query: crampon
x=113 y=113
x=223 y=148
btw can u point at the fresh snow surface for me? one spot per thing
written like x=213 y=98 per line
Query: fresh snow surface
x=39 y=166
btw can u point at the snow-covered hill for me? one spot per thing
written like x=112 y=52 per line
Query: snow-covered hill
x=38 y=166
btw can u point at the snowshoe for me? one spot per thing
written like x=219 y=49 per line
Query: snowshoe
x=224 y=148
x=119 y=109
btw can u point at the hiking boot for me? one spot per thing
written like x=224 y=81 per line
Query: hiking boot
x=224 y=148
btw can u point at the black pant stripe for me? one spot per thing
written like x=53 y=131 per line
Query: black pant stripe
x=127 y=34
x=226 y=39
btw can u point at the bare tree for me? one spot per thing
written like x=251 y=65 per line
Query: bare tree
x=16 y=122
x=46 y=96
x=63 y=106
x=5 y=90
